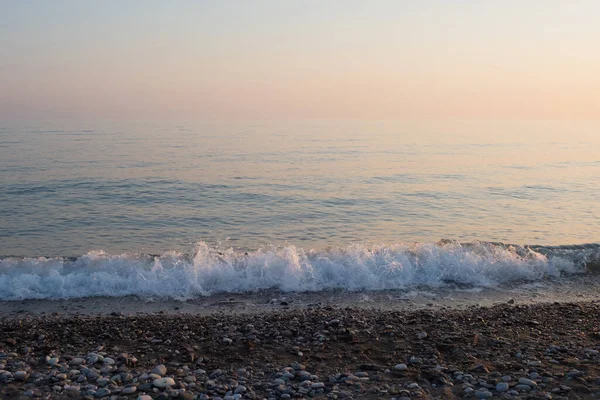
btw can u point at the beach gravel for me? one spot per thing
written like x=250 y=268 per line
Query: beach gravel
x=509 y=351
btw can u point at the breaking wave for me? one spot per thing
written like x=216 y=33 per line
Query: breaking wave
x=291 y=269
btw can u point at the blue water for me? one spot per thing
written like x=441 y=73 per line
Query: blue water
x=69 y=188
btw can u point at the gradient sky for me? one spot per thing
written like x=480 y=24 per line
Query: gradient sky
x=535 y=59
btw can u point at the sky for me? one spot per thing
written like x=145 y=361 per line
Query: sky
x=260 y=59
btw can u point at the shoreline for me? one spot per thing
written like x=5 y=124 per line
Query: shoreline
x=513 y=350
x=573 y=288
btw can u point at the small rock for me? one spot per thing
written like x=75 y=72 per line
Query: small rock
x=163 y=383
x=215 y=374
x=483 y=394
x=240 y=389
x=528 y=382
x=21 y=376
x=129 y=390
x=145 y=387
x=522 y=387
x=502 y=387
x=400 y=367
x=102 y=392
x=102 y=382
x=570 y=374
x=159 y=370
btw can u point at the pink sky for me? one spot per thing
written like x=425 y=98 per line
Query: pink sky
x=297 y=59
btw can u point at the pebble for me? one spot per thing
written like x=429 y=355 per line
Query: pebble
x=108 y=373
x=129 y=390
x=528 y=382
x=400 y=367
x=534 y=375
x=102 y=382
x=523 y=387
x=159 y=370
x=21 y=376
x=102 y=392
x=240 y=389
x=163 y=383
x=502 y=387
x=215 y=374
x=575 y=374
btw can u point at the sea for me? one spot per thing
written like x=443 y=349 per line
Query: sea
x=183 y=209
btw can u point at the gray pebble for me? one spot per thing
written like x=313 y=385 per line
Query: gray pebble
x=240 y=389
x=522 y=387
x=528 y=382
x=502 y=387
x=102 y=392
x=480 y=394
x=129 y=390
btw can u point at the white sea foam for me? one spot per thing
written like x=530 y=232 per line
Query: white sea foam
x=211 y=270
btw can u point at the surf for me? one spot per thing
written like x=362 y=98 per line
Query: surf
x=212 y=269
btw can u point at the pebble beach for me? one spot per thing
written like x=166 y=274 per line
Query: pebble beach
x=294 y=200
x=510 y=350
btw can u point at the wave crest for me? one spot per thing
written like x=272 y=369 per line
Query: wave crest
x=354 y=267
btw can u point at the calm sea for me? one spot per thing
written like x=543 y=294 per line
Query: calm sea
x=70 y=189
